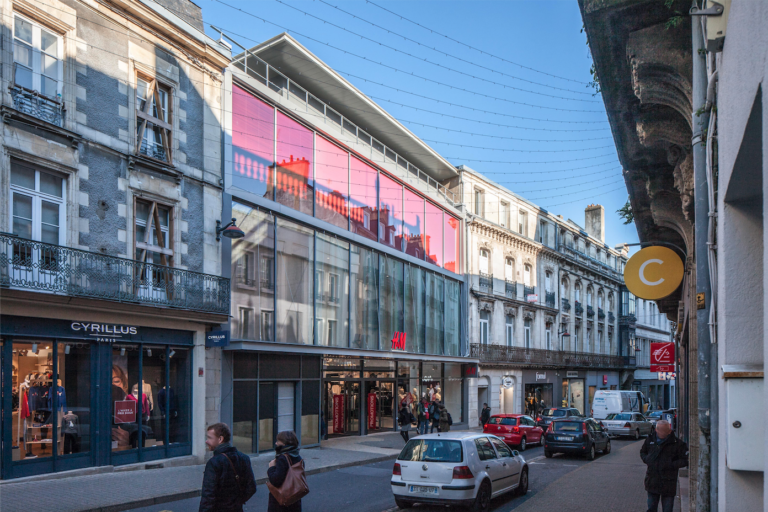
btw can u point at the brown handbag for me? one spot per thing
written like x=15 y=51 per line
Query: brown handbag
x=294 y=486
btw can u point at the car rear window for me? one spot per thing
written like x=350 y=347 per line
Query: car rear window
x=567 y=426
x=498 y=420
x=432 y=450
x=620 y=416
x=557 y=413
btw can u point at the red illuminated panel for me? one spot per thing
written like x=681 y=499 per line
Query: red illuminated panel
x=363 y=214
x=332 y=183
x=294 y=181
x=413 y=224
x=253 y=134
x=390 y=212
x=452 y=244
x=434 y=235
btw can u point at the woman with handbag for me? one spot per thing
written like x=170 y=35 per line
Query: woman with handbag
x=287 y=483
x=404 y=419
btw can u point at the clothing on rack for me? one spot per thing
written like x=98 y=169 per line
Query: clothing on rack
x=24 y=414
x=62 y=398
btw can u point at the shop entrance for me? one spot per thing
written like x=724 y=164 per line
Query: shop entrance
x=573 y=394
x=342 y=407
x=380 y=405
x=538 y=397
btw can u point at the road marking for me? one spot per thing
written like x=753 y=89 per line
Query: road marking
x=571 y=465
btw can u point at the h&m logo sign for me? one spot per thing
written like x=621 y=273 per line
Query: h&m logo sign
x=398 y=341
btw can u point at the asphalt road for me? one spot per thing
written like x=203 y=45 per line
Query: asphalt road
x=366 y=488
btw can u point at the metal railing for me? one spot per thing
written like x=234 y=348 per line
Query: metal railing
x=550 y=299
x=528 y=290
x=589 y=261
x=510 y=289
x=566 y=304
x=600 y=314
x=611 y=317
x=577 y=308
x=41 y=267
x=534 y=357
x=486 y=282
x=263 y=73
x=31 y=103
x=590 y=312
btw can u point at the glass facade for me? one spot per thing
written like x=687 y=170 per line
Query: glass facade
x=364 y=306
x=253 y=135
x=332 y=292
x=332 y=181
x=390 y=213
x=295 y=258
x=391 y=300
x=363 y=182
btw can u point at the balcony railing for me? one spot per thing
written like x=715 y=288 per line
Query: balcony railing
x=611 y=317
x=590 y=312
x=486 y=282
x=566 y=304
x=31 y=103
x=589 y=261
x=578 y=309
x=510 y=288
x=528 y=290
x=539 y=358
x=550 y=299
x=48 y=268
x=600 y=314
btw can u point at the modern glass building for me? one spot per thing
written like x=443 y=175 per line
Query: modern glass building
x=347 y=289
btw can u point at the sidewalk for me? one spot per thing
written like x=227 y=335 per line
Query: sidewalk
x=123 y=490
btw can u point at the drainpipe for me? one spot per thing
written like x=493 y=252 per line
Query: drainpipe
x=701 y=204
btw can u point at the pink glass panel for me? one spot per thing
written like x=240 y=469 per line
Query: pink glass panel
x=452 y=244
x=433 y=244
x=390 y=212
x=332 y=183
x=363 y=214
x=413 y=224
x=253 y=135
x=294 y=180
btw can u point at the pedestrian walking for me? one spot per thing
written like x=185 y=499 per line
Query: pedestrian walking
x=664 y=454
x=286 y=455
x=423 y=414
x=445 y=419
x=228 y=481
x=485 y=415
x=434 y=416
x=405 y=419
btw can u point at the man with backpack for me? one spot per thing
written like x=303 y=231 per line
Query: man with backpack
x=445 y=418
x=228 y=482
x=423 y=413
x=434 y=415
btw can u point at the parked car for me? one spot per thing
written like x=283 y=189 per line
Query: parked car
x=583 y=436
x=514 y=429
x=653 y=417
x=627 y=424
x=547 y=415
x=461 y=468
x=607 y=402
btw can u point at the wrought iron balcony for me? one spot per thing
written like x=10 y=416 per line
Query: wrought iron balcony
x=611 y=317
x=528 y=290
x=539 y=358
x=566 y=304
x=590 y=312
x=48 y=268
x=550 y=299
x=31 y=103
x=486 y=282
x=600 y=314
x=511 y=289
x=578 y=309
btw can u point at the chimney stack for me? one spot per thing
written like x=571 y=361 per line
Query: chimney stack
x=594 y=221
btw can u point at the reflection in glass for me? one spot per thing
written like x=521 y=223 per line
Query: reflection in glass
x=434 y=314
x=434 y=235
x=452 y=244
x=295 y=249
x=362 y=186
x=452 y=316
x=267 y=408
x=390 y=212
x=253 y=264
x=125 y=407
x=452 y=390
x=73 y=393
x=413 y=224
x=244 y=400
x=294 y=180
x=310 y=412
x=332 y=292
x=153 y=374
x=414 y=313
x=253 y=135
x=176 y=399
x=364 y=290
x=391 y=300
x=332 y=183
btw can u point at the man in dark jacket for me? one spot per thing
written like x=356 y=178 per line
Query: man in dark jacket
x=664 y=454
x=228 y=481
x=485 y=415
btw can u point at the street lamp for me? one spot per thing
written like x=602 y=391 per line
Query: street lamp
x=228 y=231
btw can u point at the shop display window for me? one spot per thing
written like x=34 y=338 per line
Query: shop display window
x=126 y=406
x=453 y=386
x=176 y=399
x=295 y=255
x=154 y=381
x=34 y=416
x=253 y=135
x=363 y=214
x=332 y=183
x=294 y=180
x=364 y=290
x=433 y=239
x=332 y=292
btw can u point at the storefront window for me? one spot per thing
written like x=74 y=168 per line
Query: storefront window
x=332 y=292
x=538 y=397
x=414 y=309
x=176 y=399
x=362 y=186
x=154 y=382
x=295 y=250
x=253 y=272
x=73 y=393
x=390 y=212
x=452 y=317
x=432 y=381
x=244 y=418
x=452 y=244
x=453 y=391
x=408 y=383
x=434 y=314
x=391 y=301
x=310 y=411
x=266 y=415
x=332 y=182
x=434 y=235
x=253 y=135
x=364 y=288
x=294 y=180
x=126 y=406
x=413 y=224
x=33 y=427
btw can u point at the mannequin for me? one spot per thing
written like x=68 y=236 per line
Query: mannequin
x=145 y=407
x=70 y=427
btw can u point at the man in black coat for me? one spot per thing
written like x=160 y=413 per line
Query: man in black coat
x=485 y=415
x=664 y=454
x=228 y=481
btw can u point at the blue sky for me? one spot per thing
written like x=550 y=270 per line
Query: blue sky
x=574 y=161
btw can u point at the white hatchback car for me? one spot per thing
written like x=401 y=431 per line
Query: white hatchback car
x=461 y=468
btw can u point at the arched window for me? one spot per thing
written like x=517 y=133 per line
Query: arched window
x=510 y=331
x=527 y=275
x=600 y=300
x=527 y=333
x=509 y=269
x=589 y=296
x=484 y=261
x=564 y=289
x=485 y=320
x=577 y=293
x=610 y=302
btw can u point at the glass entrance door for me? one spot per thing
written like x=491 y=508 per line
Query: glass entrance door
x=380 y=405
x=342 y=407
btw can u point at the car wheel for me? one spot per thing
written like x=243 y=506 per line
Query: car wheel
x=522 y=445
x=483 y=498
x=637 y=434
x=403 y=504
x=591 y=453
x=522 y=489
x=607 y=447
x=548 y=454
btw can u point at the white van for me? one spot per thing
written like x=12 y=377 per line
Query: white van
x=608 y=402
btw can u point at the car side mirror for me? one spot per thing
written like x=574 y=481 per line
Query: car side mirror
x=515 y=453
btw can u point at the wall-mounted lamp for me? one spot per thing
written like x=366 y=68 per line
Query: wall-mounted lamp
x=66 y=349
x=173 y=352
x=228 y=231
x=122 y=351
x=149 y=352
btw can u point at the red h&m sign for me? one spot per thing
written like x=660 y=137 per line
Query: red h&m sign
x=398 y=341
x=662 y=357
x=338 y=414
x=372 y=400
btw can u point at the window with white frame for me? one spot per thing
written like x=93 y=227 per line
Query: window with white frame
x=332 y=333
x=600 y=300
x=37 y=205
x=589 y=296
x=600 y=346
x=37 y=58
x=479 y=202
x=527 y=275
x=484 y=261
x=548 y=281
x=333 y=288
x=319 y=284
x=154 y=130
x=509 y=269
x=527 y=328
x=246 y=323
x=548 y=334
x=588 y=341
x=577 y=293
x=245 y=271
x=267 y=320
x=504 y=214
x=522 y=223
x=154 y=245
x=510 y=330
x=484 y=327
x=543 y=232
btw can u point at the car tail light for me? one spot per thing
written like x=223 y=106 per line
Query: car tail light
x=538 y=419
x=584 y=427
x=516 y=430
x=462 y=473
x=627 y=425
x=396 y=469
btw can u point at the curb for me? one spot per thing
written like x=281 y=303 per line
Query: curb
x=167 y=498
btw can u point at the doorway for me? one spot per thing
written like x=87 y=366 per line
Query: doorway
x=482 y=398
x=573 y=394
x=380 y=405
x=342 y=407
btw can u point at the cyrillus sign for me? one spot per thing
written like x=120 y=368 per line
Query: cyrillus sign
x=398 y=341
x=107 y=333
x=662 y=357
x=653 y=273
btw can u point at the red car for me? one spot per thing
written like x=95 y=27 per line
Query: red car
x=515 y=429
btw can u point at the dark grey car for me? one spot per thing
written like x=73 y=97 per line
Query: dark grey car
x=547 y=415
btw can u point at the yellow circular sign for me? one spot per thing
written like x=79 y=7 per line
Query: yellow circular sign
x=653 y=273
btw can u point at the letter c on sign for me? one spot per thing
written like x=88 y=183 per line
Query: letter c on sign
x=642 y=273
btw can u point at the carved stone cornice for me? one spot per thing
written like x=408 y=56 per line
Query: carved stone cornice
x=503 y=236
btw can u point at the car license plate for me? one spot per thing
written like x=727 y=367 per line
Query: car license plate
x=424 y=489
x=564 y=438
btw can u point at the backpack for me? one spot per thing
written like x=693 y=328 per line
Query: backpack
x=450 y=420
